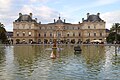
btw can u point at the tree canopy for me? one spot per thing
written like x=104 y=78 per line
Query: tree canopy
x=3 y=36
x=114 y=35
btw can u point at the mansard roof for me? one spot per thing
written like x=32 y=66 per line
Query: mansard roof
x=93 y=18
x=25 y=17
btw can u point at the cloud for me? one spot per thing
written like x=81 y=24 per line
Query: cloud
x=105 y=2
x=5 y=5
x=5 y=13
x=39 y=1
x=111 y=17
x=43 y=13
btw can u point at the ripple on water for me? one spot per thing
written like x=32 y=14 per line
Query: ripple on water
x=34 y=63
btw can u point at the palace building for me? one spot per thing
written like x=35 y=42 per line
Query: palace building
x=29 y=30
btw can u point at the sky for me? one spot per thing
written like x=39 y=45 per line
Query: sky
x=47 y=10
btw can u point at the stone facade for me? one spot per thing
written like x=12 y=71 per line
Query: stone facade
x=28 y=30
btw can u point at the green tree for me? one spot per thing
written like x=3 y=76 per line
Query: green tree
x=3 y=36
x=114 y=34
x=115 y=28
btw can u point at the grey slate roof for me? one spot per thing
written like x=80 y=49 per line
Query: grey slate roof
x=93 y=18
x=59 y=21
x=25 y=18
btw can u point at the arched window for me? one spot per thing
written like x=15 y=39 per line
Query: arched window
x=68 y=34
x=17 y=41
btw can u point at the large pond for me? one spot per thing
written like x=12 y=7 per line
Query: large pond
x=34 y=63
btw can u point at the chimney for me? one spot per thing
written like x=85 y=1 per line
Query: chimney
x=98 y=14
x=64 y=20
x=20 y=14
x=31 y=15
x=54 y=20
x=88 y=15
x=82 y=19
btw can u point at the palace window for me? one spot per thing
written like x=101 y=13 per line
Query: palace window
x=73 y=28
x=40 y=28
x=67 y=27
x=23 y=40
x=94 y=27
x=73 y=34
x=39 y=34
x=44 y=34
x=59 y=34
x=17 y=33
x=23 y=33
x=64 y=27
x=100 y=34
x=79 y=34
x=88 y=27
x=29 y=27
x=50 y=34
x=68 y=35
x=39 y=40
x=51 y=28
x=88 y=34
x=29 y=33
x=94 y=34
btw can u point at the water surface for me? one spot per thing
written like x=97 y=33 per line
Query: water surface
x=34 y=63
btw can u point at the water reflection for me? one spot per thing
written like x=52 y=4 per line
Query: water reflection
x=94 y=57
x=2 y=60
x=26 y=58
x=34 y=63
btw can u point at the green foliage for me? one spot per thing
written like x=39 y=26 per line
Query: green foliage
x=3 y=36
x=114 y=34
